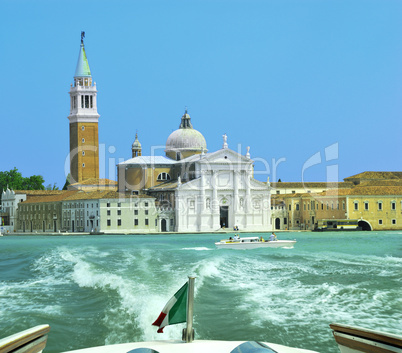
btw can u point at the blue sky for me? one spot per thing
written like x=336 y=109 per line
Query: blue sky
x=289 y=78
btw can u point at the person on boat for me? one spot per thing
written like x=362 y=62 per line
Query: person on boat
x=262 y=239
x=236 y=237
x=273 y=237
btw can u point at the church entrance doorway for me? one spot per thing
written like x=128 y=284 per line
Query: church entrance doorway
x=163 y=225
x=72 y=226
x=43 y=226
x=277 y=223
x=224 y=216
x=54 y=226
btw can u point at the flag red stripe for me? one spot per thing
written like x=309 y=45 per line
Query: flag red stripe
x=159 y=320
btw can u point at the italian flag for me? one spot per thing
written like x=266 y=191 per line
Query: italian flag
x=175 y=311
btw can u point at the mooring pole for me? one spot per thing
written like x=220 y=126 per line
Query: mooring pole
x=188 y=332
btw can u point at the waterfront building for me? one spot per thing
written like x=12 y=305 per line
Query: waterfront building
x=206 y=191
x=279 y=214
x=109 y=212
x=305 y=210
x=42 y=214
x=8 y=210
x=12 y=199
x=84 y=145
x=380 y=207
x=372 y=198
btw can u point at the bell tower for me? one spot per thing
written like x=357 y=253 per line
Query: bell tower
x=136 y=147
x=84 y=144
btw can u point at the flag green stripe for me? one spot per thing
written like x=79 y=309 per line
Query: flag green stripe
x=178 y=312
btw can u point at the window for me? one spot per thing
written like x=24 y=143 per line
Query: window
x=83 y=153
x=146 y=221
x=356 y=206
x=366 y=206
x=171 y=222
x=119 y=204
x=297 y=207
x=82 y=127
x=108 y=212
x=119 y=212
x=109 y=222
x=119 y=222
x=380 y=205
x=278 y=192
x=136 y=212
x=83 y=140
x=290 y=207
x=146 y=204
x=393 y=205
x=136 y=221
x=156 y=222
x=293 y=191
x=393 y=221
x=83 y=165
x=285 y=221
x=146 y=212
x=163 y=176
x=108 y=204
x=380 y=221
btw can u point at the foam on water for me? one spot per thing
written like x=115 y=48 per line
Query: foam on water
x=122 y=288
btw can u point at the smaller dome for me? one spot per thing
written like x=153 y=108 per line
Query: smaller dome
x=136 y=143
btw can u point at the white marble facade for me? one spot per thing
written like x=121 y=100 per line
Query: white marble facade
x=222 y=194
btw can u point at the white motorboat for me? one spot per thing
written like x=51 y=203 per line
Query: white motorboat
x=350 y=339
x=253 y=243
x=34 y=340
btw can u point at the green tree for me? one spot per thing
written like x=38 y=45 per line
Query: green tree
x=67 y=182
x=14 y=180
x=52 y=187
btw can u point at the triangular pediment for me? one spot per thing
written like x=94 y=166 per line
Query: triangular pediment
x=225 y=155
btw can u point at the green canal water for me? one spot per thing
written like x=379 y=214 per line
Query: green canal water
x=106 y=289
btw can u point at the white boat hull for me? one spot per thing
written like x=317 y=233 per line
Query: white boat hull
x=226 y=244
x=197 y=346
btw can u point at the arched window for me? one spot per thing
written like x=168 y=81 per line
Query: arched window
x=163 y=176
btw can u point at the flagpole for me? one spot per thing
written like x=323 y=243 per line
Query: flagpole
x=188 y=332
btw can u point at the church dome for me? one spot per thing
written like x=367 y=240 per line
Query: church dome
x=185 y=140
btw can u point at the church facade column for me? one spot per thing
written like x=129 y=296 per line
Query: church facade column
x=215 y=202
